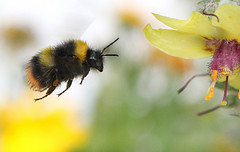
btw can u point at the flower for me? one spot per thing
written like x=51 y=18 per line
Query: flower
x=17 y=37
x=27 y=126
x=201 y=37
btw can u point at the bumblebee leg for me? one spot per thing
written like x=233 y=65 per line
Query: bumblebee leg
x=50 y=90
x=84 y=75
x=40 y=90
x=43 y=90
x=69 y=83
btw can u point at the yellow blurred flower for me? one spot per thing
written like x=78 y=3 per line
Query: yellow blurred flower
x=130 y=16
x=17 y=37
x=27 y=126
x=200 y=37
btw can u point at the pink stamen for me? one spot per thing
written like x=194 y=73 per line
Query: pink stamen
x=224 y=101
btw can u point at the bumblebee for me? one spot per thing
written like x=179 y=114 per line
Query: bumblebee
x=62 y=63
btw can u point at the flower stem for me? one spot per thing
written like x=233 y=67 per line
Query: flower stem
x=209 y=110
x=186 y=84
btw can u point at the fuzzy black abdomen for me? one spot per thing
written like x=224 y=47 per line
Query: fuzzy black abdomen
x=44 y=75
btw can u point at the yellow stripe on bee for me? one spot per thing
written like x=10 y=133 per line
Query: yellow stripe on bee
x=46 y=57
x=81 y=50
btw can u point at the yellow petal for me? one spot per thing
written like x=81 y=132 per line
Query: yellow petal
x=197 y=23
x=233 y=80
x=177 y=43
x=228 y=20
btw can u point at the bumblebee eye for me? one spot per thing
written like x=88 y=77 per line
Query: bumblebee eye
x=92 y=62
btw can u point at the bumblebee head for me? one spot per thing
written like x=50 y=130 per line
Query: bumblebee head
x=95 y=58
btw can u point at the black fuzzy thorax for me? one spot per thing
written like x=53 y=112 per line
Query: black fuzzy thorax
x=67 y=66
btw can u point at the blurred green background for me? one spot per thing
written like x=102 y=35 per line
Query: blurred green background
x=133 y=106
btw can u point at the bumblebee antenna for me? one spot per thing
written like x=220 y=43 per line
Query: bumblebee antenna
x=108 y=46
x=110 y=55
